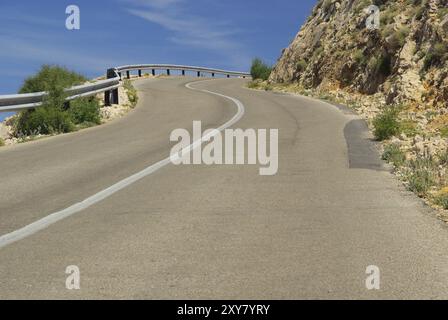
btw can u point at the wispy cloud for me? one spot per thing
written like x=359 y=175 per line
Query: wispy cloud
x=190 y=29
x=24 y=50
x=155 y=3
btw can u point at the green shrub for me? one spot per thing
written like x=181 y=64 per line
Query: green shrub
x=436 y=55
x=442 y=200
x=260 y=70
x=442 y=12
x=301 y=65
x=409 y=128
x=50 y=76
x=55 y=115
x=85 y=111
x=44 y=120
x=444 y=132
x=392 y=153
x=419 y=13
x=131 y=92
x=387 y=31
x=443 y=158
x=253 y=85
x=384 y=66
x=396 y=39
x=317 y=52
x=326 y=5
x=387 y=17
x=422 y=175
x=2 y=142
x=386 y=124
x=359 y=57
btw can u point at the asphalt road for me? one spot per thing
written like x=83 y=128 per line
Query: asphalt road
x=217 y=232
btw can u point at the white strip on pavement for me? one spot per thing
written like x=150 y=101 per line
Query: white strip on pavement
x=44 y=223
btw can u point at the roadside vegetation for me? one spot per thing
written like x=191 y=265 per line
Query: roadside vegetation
x=393 y=154
x=362 y=69
x=2 y=142
x=260 y=70
x=442 y=198
x=436 y=56
x=386 y=124
x=131 y=93
x=444 y=132
x=55 y=115
x=420 y=172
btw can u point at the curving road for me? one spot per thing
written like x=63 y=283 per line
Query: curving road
x=220 y=232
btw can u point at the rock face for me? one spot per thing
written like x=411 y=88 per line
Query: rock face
x=405 y=60
x=4 y=134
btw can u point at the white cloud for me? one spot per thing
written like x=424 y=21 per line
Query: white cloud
x=155 y=3
x=192 y=30
x=19 y=48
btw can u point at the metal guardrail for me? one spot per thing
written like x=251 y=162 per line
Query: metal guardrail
x=18 y=102
x=169 y=67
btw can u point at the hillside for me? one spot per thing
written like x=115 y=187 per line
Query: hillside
x=404 y=60
x=396 y=75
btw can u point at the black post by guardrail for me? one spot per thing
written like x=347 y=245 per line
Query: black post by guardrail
x=111 y=97
x=17 y=102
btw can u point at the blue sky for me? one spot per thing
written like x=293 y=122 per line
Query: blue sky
x=215 y=33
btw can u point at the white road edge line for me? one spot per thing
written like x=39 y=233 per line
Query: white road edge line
x=51 y=219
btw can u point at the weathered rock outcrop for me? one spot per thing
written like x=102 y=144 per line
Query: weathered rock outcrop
x=405 y=59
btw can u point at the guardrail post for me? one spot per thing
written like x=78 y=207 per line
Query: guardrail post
x=110 y=88
x=111 y=96
x=168 y=72
x=107 y=98
x=115 y=97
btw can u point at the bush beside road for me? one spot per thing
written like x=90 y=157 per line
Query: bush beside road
x=57 y=117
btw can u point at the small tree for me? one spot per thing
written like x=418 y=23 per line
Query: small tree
x=260 y=70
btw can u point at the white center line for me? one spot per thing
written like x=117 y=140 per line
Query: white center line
x=51 y=219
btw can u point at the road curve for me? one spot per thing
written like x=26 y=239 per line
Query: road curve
x=217 y=231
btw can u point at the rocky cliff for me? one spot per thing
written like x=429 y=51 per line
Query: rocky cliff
x=395 y=76
x=405 y=60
